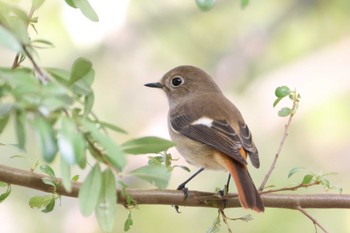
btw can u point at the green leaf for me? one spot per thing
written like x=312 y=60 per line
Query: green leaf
x=75 y=178
x=128 y=222
x=41 y=201
x=295 y=170
x=112 y=127
x=47 y=170
x=49 y=181
x=88 y=104
x=46 y=137
x=276 y=101
x=70 y=3
x=307 y=179
x=83 y=86
x=337 y=188
x=205 y=5
x=146 y=145
x=113 y=153
x=156 y=175
x=20 y=129
x=8 y=40
x=42 y=44
x=5 y=194
x=50 y=206
x=244 y=3
x=90 y=190
x=155 y=160
x=60 y=75
x=19 y=29
x=183 y=168
x=71 y=143
x=284 y=112
x=80 y=68
x=106 y=207
x=65 y=175
x=3 y=122
x=125 y=193
x=282 y=91
x=325 y=182
x=37 y=3
x=86 y=9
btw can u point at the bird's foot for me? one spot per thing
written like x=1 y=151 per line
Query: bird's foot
x=185 y=191
x=223 y=194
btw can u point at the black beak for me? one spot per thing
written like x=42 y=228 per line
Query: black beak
x=156 y=85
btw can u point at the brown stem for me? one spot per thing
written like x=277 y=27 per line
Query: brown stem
x=30 y=179
x=314 y=221
x=285 y=134
x=41 y=75
x=291 y=188
x=15 y=63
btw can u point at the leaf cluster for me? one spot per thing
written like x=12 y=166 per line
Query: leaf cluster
x=57 y=105
x=311 y=178
x=282 y=92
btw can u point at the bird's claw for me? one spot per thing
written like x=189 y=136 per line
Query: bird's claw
x=222 y=194
x=185 y=191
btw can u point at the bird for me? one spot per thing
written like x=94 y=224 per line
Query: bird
x=209 y=130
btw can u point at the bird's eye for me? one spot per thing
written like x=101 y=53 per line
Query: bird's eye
x=176 y=81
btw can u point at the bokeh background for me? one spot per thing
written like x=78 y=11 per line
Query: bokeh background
x=304 y=44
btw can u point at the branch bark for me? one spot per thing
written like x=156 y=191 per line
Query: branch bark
x=33 y=180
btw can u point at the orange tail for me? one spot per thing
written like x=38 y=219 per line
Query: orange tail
x=247 y=193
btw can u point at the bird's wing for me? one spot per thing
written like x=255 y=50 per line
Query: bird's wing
x=215 y=133
x=248 y=145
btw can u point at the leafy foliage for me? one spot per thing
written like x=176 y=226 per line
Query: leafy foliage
x=311 y=178
x=146 y=145
x=128 y=222
x=57 y=104
x=283 y=91
x=46 y=202
x=157 y=175
x=5 y=194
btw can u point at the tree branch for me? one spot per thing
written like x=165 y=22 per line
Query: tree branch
x=33 y=180
x=314 y=221
x=285 y=134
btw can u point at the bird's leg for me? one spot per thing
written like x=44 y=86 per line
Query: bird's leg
x=182 y=186
x=223 y=192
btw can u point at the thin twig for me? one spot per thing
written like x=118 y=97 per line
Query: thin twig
x=224 y=218
x=15 y=63
x=245 y=218
x=41 y=75
x=285 y=134
x=314 y=221
x=291 y=188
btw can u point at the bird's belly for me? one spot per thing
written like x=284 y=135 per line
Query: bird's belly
x=198 y=154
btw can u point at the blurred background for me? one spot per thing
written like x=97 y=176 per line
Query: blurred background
x=304 y=44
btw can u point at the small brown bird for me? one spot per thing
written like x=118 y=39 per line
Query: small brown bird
x=209 y=131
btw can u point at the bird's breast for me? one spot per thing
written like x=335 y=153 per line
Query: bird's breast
x=197 y=153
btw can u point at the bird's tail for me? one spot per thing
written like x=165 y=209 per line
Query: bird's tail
x=247 y=192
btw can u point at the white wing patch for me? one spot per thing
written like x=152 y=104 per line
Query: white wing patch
x=203 y=121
